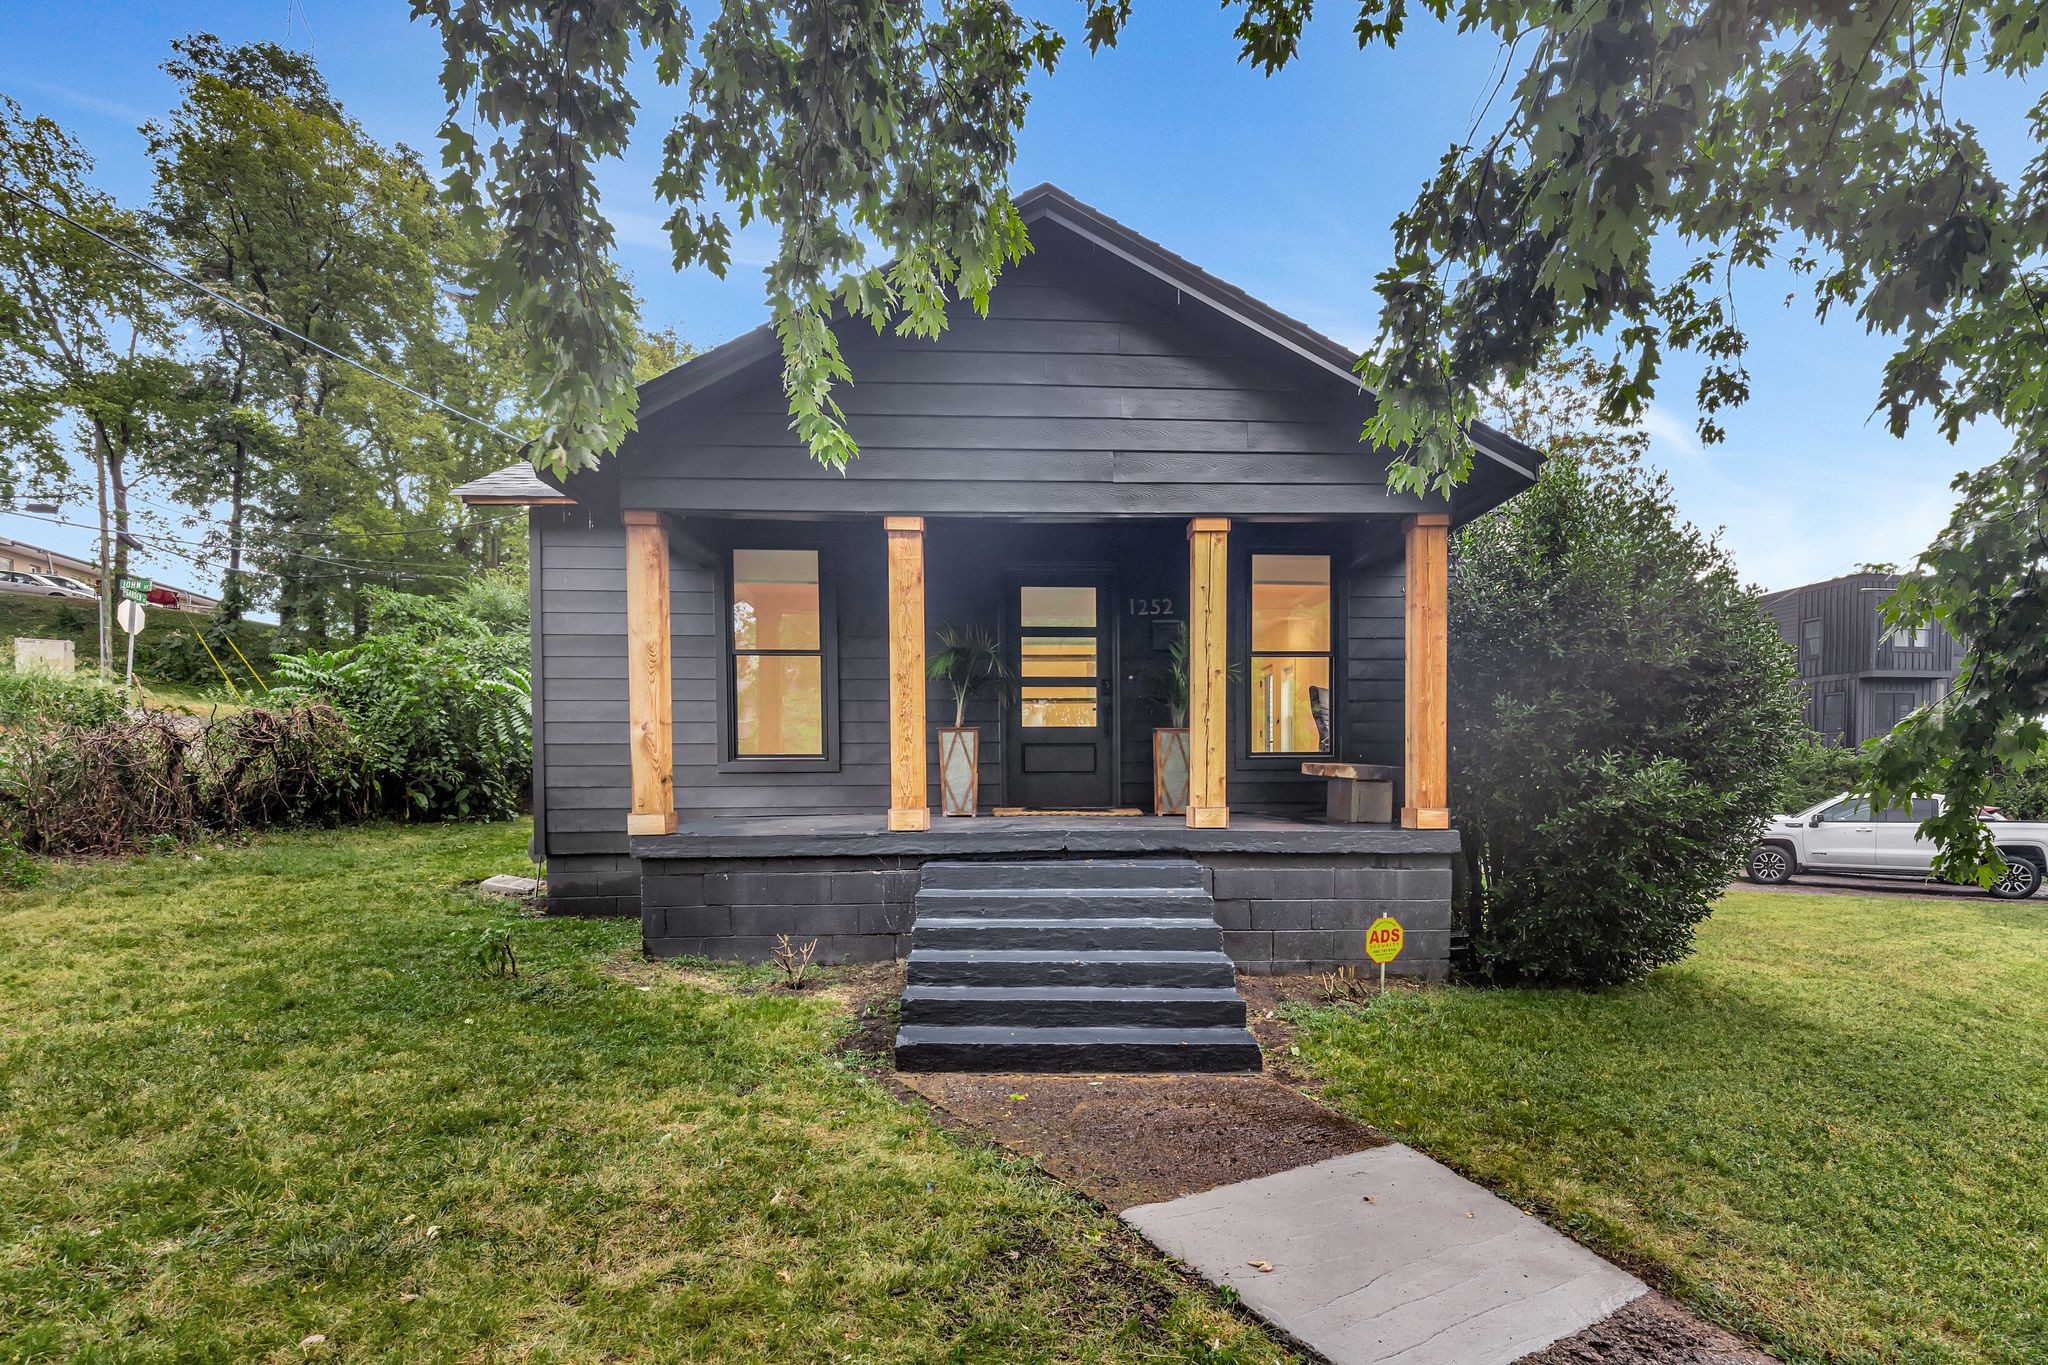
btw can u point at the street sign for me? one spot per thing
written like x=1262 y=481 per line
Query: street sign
x=1383 y=942
x=136 y=590
x=130 y=614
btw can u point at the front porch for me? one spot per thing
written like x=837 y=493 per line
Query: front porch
x=1291 y=893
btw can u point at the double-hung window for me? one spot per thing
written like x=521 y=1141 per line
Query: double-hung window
x=778 y=655
x=1291 y=655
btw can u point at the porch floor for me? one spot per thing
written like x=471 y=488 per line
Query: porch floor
x=867 y=835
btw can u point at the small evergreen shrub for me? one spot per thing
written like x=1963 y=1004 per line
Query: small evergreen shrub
x=1621 y=714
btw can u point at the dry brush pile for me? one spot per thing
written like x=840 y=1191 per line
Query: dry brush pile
x=122 y=784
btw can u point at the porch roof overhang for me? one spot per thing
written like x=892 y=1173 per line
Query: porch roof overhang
x=863 y=836
x=516 y=485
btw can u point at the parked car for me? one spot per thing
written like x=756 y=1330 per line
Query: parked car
x=78 y=586
x=39 y=585
x=1842 y=835
x=163 y=597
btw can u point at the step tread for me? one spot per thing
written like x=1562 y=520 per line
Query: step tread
x=1024 y=956
x=1073 y=1036
x=1164 y=994
x=1091 y=891
x=1026 y=922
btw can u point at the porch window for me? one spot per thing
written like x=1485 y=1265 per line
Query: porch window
x=778 y=655
x=1291 y=654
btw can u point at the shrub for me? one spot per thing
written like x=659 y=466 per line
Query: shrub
x=440 y=705
x=38 y=699
x=159 y=779
x=1816 y=770
x=1621 y=713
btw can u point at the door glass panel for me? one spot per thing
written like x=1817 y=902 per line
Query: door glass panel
x=775 y=599
x=1057 y=608
x=1059 y=656
x=1290 y=604
x=1051 y=708
x=1855 y=811
x=779 y=705
x=1291 y=704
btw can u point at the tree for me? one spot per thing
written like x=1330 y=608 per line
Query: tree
x=334 y=481
x=1621 y=713
x=843 y=123
x=1646 y=151
x=81 y=334
x=1556 y=409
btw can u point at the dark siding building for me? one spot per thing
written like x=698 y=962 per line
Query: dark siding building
x=1861 y=677
x=768 y=762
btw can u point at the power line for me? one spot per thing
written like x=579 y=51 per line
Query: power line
x=190 y=283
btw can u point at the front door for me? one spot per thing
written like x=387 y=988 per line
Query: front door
x=1060 y=645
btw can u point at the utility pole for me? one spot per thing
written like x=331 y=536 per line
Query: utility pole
x=107 y=585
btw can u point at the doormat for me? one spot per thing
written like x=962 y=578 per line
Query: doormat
x=1029 y=810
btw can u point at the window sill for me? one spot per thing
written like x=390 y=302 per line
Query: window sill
x=823 y=764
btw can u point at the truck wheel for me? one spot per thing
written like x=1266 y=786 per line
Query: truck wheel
x=2021 y=879
x=1769 y=865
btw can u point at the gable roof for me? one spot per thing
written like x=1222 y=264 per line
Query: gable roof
x=1048 y=203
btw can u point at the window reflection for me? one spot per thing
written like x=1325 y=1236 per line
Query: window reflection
x=1291 y=655
x=778 y=657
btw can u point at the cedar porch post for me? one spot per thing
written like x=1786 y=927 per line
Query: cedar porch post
x=649 y=686
x=1208 y=670
x=909 y=806
x=1426 y=785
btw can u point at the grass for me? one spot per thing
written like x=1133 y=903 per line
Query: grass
x=1825 y=1129
x=251 y=1097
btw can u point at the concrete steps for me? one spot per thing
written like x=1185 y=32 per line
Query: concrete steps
x=1070 y=965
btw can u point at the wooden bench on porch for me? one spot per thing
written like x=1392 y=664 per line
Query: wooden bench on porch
x=1359 y=793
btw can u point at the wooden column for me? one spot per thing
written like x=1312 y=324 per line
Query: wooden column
x=1208 y=671
x=909 y=806
x=1426 y=785
x=650 y=715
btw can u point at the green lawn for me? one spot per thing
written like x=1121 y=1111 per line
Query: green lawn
x=254 y=1096
x=1828 y=1129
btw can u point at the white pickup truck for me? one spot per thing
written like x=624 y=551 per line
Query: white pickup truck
x=1841 y=835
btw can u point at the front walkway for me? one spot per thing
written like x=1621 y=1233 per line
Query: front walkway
x=1385 y=1257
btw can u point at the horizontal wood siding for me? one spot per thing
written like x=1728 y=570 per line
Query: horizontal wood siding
x=1073 y=397
x=582 y=756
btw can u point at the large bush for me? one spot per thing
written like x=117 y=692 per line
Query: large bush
x=439 y=702
x=1621 y=713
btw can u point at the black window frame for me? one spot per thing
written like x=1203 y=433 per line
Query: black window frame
x=730 y=760
x=1243 y=656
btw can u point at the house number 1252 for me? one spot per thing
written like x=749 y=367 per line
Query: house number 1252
x=1151 y=606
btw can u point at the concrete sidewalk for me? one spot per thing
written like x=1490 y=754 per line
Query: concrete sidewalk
x=1386 y=1256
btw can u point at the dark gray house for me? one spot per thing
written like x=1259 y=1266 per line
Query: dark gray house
x=1861 y=677
x=736 y=737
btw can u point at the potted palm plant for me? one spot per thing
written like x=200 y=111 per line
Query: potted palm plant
x=969 y=662
x=1168 y=687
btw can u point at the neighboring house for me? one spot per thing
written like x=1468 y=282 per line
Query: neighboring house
x=735 y=734
x=1861 y=677
x=20 y=556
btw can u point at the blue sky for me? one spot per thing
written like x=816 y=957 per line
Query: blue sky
x=1285 y=186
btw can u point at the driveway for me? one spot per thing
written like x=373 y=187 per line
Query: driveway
x=1815 y=884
